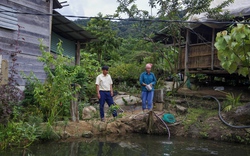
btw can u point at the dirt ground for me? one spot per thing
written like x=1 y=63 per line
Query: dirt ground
x=245 y=93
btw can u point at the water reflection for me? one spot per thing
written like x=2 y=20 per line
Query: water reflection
x=132 y=145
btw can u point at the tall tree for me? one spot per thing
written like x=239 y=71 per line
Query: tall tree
x=107 y=40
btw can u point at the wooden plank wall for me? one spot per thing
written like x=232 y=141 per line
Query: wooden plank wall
x=31 y=29
x=199 y=57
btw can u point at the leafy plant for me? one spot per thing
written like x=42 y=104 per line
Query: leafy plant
x=159 y=84
x=21 y=134
x=125 y=87
x=129 y=72
x=234 y=49
x=113 y=108
x=55 y=94
x=232 y=101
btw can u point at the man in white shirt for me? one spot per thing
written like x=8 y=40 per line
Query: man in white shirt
x=104 y=90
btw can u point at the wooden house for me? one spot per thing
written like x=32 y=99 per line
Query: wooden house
x=21 y=32
x=198 y=54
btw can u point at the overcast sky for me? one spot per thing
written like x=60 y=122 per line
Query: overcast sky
x=93 y=7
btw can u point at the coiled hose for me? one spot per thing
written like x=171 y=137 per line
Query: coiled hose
x=219 y=112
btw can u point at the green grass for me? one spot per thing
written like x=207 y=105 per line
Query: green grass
x=193 y=116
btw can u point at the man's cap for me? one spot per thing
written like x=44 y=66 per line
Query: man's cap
x=105 y=68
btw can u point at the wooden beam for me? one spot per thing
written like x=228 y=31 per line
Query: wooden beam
x=78 y=56
x=212 y=49
x=186 y=55
x=50 y=24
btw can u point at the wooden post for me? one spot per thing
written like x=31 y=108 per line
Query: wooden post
x=186 y=55
x=4 y=72
x=150 y=122
x=78 y=55
x=158 y=96
x=212 y=49
x=74 y=108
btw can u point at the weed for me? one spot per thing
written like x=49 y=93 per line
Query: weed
x=232 y=101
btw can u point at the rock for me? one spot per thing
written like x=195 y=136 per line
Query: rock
x=181 y=109
x=102 y=127
x=87 y=134
x=65 y=135
x=242 y=115
x=126 y=100
x=88 y=112
x=121 y=93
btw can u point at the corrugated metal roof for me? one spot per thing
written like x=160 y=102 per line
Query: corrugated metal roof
x=69 y=30
x=57 y=4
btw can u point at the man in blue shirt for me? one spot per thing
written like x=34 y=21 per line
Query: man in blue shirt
x=147 y=81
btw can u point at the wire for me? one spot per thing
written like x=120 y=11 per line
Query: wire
x=127 y=19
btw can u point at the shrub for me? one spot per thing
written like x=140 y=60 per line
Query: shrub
x=126 y=72
x=21 y=134
x=55 y=94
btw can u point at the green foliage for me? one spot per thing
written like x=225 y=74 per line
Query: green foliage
x=232 y=101
x=87 y=74
x=107 y=42
x=113 y=108
x=125 y=87
x=193 y=116
x=48 y=133
x=125 y=71
x=160 y=84
x=29 y=95
x=21 y=134
x=234 y=49
x=55 y=94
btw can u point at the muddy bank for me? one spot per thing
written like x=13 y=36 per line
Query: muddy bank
x=198 y=122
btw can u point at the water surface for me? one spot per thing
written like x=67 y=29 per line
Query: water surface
x=132 y=145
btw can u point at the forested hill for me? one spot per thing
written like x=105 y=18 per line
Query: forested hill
x=125 y=29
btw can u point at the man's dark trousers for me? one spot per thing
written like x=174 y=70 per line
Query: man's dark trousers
x=106 y=97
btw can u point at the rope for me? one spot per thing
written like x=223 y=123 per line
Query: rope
x=219 y=112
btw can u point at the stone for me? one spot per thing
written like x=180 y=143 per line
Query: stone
x=87 y=134
x=242 y=115
x=102 y=127
x=88 y=112
x=121 y=93
x=181 y=109
x=126 y=100
x=65 y=135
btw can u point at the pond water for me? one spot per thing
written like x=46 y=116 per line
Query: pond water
x=132 y=145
